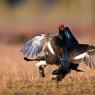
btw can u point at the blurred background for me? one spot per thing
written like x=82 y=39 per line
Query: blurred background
x=20 y=19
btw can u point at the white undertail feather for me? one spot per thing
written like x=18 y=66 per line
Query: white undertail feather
x=81 y=56
x=50 y=48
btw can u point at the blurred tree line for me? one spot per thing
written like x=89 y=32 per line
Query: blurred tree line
x=74 y=11
x=43 y=15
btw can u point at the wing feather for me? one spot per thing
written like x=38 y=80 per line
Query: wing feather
x=35 y=46
x=27 y=49
x=90 y=59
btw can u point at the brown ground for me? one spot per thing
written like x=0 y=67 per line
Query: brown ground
x=18 y=77
x=19 y=23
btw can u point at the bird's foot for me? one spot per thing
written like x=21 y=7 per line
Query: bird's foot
x=55 y=79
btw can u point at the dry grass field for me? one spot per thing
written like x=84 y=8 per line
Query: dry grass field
x=18 y=77
x=19 y=21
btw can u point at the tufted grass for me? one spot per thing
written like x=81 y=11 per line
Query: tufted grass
x=18 y=77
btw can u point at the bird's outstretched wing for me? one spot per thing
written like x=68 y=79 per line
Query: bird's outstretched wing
x=84 y=53
x=35 y=46
x=90 y=59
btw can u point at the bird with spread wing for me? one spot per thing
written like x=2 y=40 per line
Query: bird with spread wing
x=61 y=49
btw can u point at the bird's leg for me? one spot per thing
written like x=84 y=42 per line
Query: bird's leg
x=41 y=65
x=41 y=71
x=61 y=72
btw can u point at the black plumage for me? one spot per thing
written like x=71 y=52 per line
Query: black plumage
x=52 y=51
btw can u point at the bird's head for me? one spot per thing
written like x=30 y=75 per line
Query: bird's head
x=61 y=30
x=61 y=27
